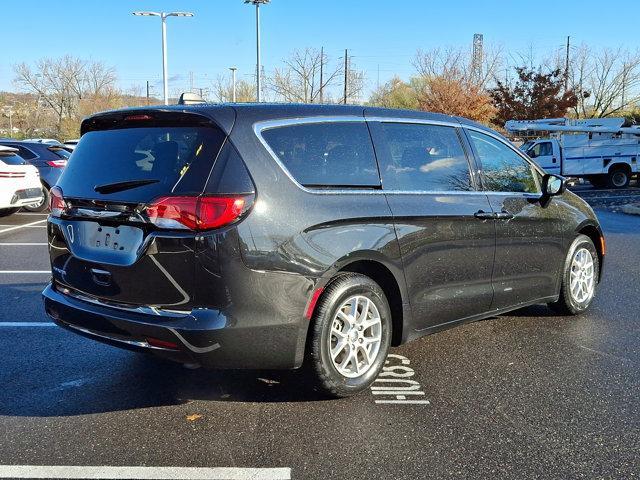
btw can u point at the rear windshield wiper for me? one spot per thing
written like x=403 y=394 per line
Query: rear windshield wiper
x=121 y=186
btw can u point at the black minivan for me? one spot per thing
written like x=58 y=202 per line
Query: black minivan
x=268 y=236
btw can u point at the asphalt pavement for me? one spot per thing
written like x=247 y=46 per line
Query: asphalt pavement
x=524 y=395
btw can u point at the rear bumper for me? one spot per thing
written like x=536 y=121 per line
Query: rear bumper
x=203 y=336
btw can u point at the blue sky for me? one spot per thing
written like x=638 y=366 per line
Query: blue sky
x=380 y=34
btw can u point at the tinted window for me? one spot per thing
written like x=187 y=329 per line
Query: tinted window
x=179 y=159
x=338 y=154
x=26 y=153
x=503 y=169
x=417 y=157
x=11 y=159
x=59 y=152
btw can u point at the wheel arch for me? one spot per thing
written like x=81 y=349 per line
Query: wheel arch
x=390 y=278
x=594 y=232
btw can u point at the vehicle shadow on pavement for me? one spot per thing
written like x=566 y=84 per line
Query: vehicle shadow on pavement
x=132 y=381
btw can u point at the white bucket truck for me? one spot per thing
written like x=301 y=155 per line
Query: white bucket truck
x=601 y=150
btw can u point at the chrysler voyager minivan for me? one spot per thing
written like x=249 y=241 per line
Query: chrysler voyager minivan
x=272 y=236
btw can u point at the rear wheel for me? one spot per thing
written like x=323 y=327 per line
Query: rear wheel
x=44 y=203
x=5 y=212
x=619 y=177
x=580 y=277
x=350 y=336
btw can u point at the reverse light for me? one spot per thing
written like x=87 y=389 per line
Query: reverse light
x=56 y=202
x=57 y=163
x=196 y=213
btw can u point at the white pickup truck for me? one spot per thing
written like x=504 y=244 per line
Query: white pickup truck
x=19 y=182
x=602 y=150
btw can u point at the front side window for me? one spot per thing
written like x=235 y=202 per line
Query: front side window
x=543 y=149
x=503 y=170
x=330 y=154
x=422 y=157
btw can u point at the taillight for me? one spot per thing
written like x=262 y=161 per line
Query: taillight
x=196 y=213
x=56 y=202
x=57 y=163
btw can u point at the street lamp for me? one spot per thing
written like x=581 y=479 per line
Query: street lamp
x=163 y=16
x=233 y=82
x=257 y=3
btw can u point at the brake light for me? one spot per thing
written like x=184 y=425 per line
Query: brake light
x=56 y=202
x=57 y=163
x=137 y=118
x=196 y=213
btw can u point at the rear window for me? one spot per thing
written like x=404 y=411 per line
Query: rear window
x=60 y=152
x=11 y=159
x=333 y=154
x=176 y=159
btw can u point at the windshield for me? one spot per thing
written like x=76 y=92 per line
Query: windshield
x=178 y=159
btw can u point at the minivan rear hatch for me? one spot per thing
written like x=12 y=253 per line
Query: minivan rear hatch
x=124 y=213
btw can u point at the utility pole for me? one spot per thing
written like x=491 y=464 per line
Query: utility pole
x=321 y=73
x=233 y=83
x=566 y=66
x=147 y=92
x=346 y=73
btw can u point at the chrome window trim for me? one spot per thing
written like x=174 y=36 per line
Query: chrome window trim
x=259 y=127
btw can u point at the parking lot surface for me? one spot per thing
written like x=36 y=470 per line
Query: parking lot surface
x=524 y=395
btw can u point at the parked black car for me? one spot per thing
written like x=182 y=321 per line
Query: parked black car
x=258 y=236
x=50 y=161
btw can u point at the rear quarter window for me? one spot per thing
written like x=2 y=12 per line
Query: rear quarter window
x=11 y=159
x=330 y=154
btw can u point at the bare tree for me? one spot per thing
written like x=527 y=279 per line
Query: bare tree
x=223 y=90
x=299 y=79
x=606 y=81
x=62 y=83
x=456 y=64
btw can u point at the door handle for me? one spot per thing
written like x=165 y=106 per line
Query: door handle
x=484 y=215
x=503 y=215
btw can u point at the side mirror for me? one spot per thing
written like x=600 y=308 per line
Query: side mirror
x=553 y=185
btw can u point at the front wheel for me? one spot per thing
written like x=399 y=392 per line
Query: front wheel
x=580 y=277
x=350 y=336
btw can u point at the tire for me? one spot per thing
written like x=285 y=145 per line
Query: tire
x=41 y=207
x=619 y=178
x=345 y=376
x=5 y=212
x=570 y=302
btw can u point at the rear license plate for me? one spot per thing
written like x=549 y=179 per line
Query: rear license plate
x=98 y=243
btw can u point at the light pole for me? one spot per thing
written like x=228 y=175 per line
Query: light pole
x=233 y=82
x=257 y=3
x=163 y=16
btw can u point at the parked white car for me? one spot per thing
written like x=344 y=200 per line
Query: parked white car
x=19 y=182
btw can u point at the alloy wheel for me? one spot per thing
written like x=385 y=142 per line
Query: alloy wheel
x=356 y=335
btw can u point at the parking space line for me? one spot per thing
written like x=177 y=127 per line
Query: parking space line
x=26 y=324
x=25 y=271
x=186 y=473
x=26 y=244
x=23 y=226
